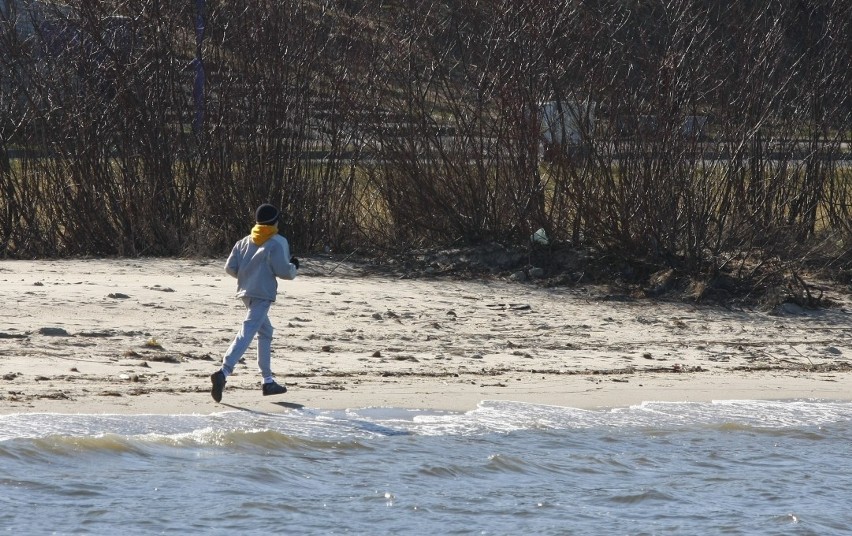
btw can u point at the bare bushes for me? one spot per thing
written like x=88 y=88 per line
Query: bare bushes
x=682 y=133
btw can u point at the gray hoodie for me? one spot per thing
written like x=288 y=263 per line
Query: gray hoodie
x=258 y=267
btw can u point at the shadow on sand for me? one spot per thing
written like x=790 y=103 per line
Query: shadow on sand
x=287 y=405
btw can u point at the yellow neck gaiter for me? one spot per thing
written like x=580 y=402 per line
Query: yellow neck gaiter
x=262 y=233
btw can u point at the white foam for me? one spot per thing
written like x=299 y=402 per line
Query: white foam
x=488 y=417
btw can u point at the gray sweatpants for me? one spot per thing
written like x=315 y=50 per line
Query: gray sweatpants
x=255 y=323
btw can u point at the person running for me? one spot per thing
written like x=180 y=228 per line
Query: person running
x=257 y=261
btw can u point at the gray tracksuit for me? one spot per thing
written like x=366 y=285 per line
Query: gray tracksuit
x=257 y=268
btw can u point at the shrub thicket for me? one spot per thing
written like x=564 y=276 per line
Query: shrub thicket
x=697 y=133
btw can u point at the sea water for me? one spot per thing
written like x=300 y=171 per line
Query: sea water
x=735 y=467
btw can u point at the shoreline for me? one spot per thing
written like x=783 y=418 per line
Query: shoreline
x=141 y=336
x=432 y=396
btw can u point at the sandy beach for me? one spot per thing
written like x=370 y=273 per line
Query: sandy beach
x=140 y=336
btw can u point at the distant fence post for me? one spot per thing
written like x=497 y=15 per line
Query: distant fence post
x=198 y=63
x=565 y=124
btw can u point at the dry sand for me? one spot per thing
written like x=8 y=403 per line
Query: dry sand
x=143 y=335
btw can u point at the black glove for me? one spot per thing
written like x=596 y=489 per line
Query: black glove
x=294 y=261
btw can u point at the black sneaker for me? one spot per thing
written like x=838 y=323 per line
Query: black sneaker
x=273 y=389
x=218 y=380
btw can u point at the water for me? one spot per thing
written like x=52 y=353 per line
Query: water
x=504 y=468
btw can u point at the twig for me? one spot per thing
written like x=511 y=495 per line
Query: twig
x=354 y=251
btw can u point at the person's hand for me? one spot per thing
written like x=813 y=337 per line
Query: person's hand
x=294 y=261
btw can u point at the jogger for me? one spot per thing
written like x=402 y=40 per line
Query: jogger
x=257 y=261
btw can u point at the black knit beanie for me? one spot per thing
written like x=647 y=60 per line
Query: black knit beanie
x=266 y=214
